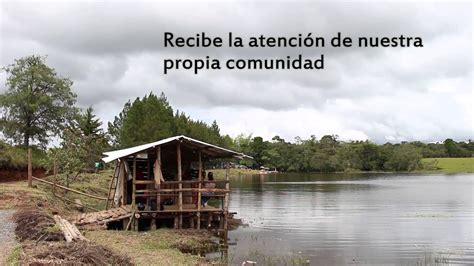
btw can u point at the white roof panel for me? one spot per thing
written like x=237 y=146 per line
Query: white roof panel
x=113 y=155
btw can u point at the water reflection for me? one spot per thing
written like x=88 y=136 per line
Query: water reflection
x=363 y=219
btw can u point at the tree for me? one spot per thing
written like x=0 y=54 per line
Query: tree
x=349 y=156
x=114 y=129
x=258 y=150
x=83 y=142
x=69 y=156
x=145 y=120
x=329 y=142
x=369 y=155
x=92 y=138
x=89 y=124
x=454 y=149
x=404 y=157
x=37 y=103
x=451 y=148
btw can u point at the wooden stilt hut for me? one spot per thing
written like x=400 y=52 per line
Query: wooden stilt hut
x=163 y=182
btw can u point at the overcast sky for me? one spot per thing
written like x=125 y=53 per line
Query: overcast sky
x=114 y=52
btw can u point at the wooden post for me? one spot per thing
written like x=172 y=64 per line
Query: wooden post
x=30 y=169
x=55 y=173
x=158 y=160
x=180 y=185
x=148 y=177
x=176 y=220
x=209 y=219
x=125 y=180
x=116 y=181
x=158 y=195
x=134 y=188
x=153 y=224
x=221 y=221
x=191 y=222
x=199 y=201
x=111 y=185
x=226 y=198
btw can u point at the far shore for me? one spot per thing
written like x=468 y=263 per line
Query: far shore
x=430 y=166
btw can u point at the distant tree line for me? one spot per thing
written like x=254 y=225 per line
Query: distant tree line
x=38 y=104
x=328 y=154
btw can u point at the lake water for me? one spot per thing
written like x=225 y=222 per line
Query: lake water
x=359 y=219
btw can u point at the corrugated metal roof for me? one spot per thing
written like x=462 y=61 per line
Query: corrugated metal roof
x=113 y=155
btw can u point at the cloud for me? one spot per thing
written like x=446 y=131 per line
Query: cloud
x=114 y=52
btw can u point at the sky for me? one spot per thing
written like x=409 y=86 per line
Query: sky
x=114 y=51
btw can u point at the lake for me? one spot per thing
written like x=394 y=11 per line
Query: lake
x=338 y=219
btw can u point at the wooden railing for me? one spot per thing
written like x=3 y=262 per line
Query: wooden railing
x=55 y=186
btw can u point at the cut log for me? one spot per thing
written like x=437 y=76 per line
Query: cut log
x=64 y=229
x=70 y=231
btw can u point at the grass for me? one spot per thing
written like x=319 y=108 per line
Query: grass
x=162 y=246
x=16 y=194
x=449 y=165
x=15 y=254
x=94 y=184
x=53 y=229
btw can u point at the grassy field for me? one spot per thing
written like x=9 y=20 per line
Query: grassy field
x=449 y=165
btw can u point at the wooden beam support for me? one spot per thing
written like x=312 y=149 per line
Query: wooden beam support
x=148 y=176
x=185 y=211
x=180 y=185
x=125 y=181
x=134 y=188
x=200 y=177
x=195 y=181
x=174 y=190
x=226 y=198
x=158 y=185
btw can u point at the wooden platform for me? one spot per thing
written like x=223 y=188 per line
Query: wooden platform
x=116 y=214
x=102 y=217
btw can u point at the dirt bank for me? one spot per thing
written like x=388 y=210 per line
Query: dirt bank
x=9 y=175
